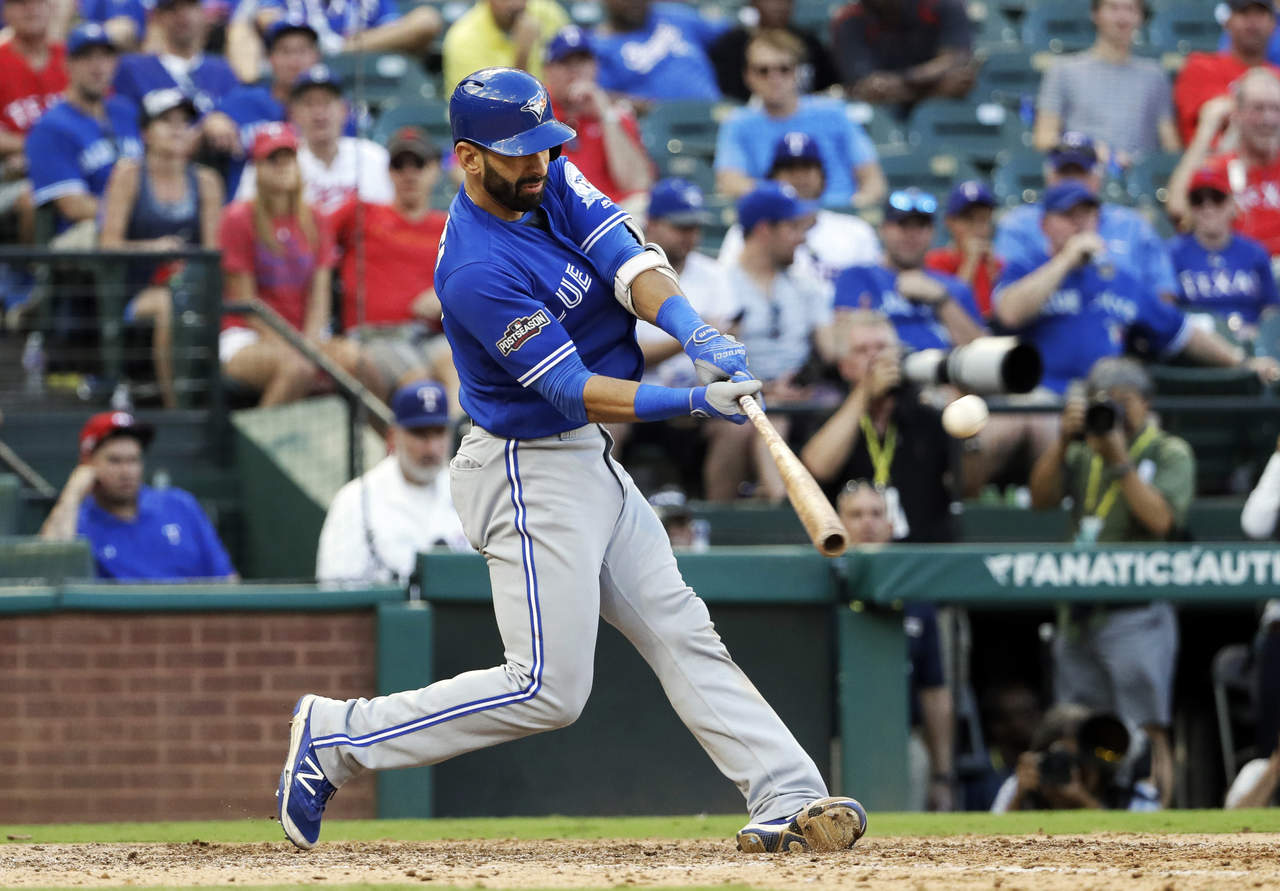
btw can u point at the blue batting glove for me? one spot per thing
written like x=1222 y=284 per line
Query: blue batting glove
x=716 y=356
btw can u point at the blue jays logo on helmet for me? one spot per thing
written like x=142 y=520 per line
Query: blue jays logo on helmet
x=507 y=111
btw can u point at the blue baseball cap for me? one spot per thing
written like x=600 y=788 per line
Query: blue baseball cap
x=289 y=25
x=906 y=203
x=316 y=76
x=86 y=36
x=678 y=202
x=771 y=202
x=970 y=193
x=1064 y=196
x=568 y=41
x=421 y=404
x=795 y=147
x=1074 y=148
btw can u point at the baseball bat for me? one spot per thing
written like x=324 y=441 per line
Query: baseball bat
x=811 y=505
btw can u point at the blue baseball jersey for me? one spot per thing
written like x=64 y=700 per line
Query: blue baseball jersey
x=521 y=297
x=1088 y=317
x=102 y=11
x=252 y=107
x=71 y=153
x=170 y=538
x=1235 y=280
x=875 y=287
x=665 y=59
x=1132 y=244
x=748 y=139
x=204 y=83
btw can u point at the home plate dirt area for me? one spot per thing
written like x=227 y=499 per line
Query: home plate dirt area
x=1101 y=861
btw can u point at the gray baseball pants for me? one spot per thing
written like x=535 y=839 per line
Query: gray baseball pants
x=569 y=538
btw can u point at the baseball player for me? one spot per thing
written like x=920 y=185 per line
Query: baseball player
x=542 y=278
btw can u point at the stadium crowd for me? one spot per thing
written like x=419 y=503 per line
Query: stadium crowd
x=836 y=189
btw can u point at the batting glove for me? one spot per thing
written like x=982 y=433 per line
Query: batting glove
x=716 y=356
x=720 y=399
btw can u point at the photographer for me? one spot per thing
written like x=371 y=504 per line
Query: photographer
x=1128 y=481
x=1077 y=762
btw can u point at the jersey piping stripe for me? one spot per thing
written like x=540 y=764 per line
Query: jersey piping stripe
x=535 y=627
x=600 y=230
x=546 y=364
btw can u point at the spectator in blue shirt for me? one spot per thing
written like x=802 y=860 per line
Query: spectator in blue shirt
x=1219 y=270
x=135 y=531
x=656 y=51
x=125 y=21
x=179 y=27
x=292 y=49
x=928 y=309
x=749 y=137
x=72 y=148
x=1077 y=306
x=370 y=26
x=1131 y=243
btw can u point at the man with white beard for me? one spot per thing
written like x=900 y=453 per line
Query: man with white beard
x=379 y=522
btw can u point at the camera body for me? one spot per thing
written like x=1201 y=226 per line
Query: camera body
x=1055 y=767
x=1102 y=416
x=985 y=366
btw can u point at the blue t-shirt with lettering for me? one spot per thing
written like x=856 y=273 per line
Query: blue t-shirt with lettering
x=1088 y=318
x=204 y=83
x=665 y=59
x=1236 y=280
x=169 y=539
x=749 y=137
x=72 y=153
x=875 y=287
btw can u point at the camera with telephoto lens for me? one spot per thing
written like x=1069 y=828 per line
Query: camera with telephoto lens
x=985 y=365
x=1102 y=416
x=1055 y=767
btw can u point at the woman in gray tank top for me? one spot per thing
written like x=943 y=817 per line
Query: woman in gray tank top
x=160 y=204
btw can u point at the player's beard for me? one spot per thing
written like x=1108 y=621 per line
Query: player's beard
x=508 y=193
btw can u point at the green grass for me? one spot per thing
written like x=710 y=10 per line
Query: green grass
x=887 y=825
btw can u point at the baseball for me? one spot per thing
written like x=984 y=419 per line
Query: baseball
x=965 y=417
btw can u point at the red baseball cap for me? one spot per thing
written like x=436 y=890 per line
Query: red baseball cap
x=273 y=137
x=107 y=424
x=1210 y=178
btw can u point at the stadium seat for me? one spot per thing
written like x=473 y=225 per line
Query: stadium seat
x=978 y=131
x=1063 y=26
x=934 y=174
x=1018 y=177
x=431 y=115
x=1184 y=26
x=1147 y=181
x=991 y=28
x=814 y=15
x=683 y=127
x=380 y=78
x=696 y=169
x=1009 y=78
x=885 y=130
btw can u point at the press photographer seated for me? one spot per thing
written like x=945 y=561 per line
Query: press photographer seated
x=1078 y=760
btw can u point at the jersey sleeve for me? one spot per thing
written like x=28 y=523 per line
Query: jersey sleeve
x=596 y=224
x=387 y=13
x=1168 y=328
x=517 y=331
x=1012 y=272
x=52 y=165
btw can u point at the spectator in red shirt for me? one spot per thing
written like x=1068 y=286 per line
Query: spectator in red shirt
x=970 y=222
x=607 y=148
x=1206 y=75
x=276 y=249
x=33 y=73
x=389 y=302
x=1253 y=169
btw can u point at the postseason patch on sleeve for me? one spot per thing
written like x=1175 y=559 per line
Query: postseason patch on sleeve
x=521 y=331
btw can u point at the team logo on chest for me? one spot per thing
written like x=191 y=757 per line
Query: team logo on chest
x=521 y=331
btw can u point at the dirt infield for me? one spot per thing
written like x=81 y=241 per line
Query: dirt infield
x=1129 y=861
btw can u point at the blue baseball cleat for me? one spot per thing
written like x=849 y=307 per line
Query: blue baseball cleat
x=828 y=824
x=303 y=791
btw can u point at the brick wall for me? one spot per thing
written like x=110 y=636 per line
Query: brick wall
x=184 y=716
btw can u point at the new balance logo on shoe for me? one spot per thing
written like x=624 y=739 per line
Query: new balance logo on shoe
x=309 y=770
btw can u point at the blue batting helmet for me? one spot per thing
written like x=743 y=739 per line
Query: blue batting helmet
x=506 y=111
